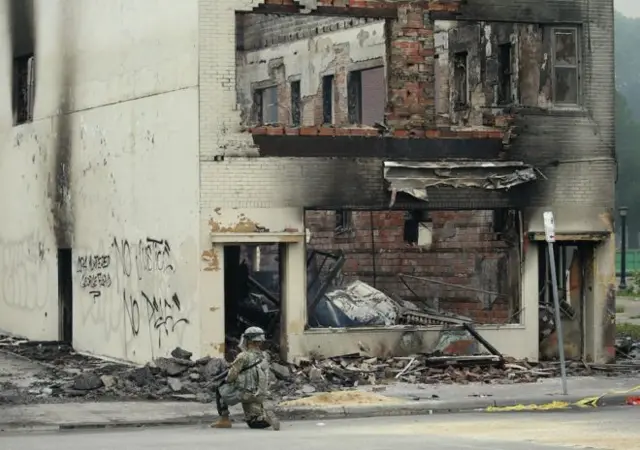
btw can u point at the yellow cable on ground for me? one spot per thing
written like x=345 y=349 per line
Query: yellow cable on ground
x=593 y=401
x=584 y=403
x=543 y=407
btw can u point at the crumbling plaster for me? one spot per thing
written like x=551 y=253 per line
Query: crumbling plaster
x=308 y=60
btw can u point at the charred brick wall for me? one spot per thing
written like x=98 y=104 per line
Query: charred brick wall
x=572 y=147
x=332 y=47
x=469 y=249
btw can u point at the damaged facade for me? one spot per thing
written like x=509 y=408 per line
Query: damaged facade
x=389 y=163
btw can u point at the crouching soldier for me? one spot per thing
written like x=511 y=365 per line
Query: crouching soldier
x=247 y=382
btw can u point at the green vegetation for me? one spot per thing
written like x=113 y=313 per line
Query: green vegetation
x=619 y=309
x=628 y=330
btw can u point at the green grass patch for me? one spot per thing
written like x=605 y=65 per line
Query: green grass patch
x=637 y=316
x=628 y=330
x=627 y=293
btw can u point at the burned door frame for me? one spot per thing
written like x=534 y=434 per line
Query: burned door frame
x=292 y=281
x=596 y=308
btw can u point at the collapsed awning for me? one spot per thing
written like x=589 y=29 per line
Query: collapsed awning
x=413 y=178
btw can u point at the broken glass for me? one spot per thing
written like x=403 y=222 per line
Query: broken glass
x=566 y=85
x=566 y=48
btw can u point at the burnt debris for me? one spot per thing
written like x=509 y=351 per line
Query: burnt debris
x=67 y=375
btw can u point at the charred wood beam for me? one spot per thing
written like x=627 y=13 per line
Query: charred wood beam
x=483 y=341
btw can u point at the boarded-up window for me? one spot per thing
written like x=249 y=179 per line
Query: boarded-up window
x=566 y=74
x=367 y=92
x=373 y=96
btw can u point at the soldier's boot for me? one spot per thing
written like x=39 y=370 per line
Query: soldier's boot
x=272 y=420
x=222 y=422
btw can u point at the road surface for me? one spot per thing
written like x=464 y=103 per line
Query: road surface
x=615 y=429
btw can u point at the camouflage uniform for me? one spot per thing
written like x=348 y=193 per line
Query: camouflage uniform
x=247 y=383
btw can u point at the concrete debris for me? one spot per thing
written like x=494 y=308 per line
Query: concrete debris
x=65 y=374
x=108 y=381
x=280 y=371
x=180 y=353
x=87 y=382
x=174 y=384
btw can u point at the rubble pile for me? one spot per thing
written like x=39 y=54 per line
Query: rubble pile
x=68 y=375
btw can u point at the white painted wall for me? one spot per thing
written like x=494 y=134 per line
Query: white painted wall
x=134 y=171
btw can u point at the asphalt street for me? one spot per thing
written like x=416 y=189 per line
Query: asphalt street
x=609 y=428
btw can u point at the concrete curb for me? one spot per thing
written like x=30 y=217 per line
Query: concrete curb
x=545 y=403
x=487 y=405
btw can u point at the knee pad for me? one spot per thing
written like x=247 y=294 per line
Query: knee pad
x=258 y=424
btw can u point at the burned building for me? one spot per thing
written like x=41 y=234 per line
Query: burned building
x=370 y=173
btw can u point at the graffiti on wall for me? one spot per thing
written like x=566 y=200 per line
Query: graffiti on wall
x=132 y=292
x=22 y=268
x=94 y=273
x=163 y=315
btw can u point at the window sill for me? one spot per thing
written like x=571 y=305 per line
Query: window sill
x=562 y=111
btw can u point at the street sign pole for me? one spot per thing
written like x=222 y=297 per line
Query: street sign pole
x=550 y=234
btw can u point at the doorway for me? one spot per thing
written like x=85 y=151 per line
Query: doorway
x=65 y=294
x=252 y=293
x=573 y=279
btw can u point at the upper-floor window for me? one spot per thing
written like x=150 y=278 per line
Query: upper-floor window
x=566 y=66
x=266 y=105
x=366 y=96
x=327 y=99
x=460 y=79
x=296 y=114
x=24 y=87
x=505 y=74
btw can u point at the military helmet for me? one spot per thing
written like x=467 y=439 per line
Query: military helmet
x=254 y=334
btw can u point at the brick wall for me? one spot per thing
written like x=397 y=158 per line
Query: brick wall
x=573 y=149
x=466 y=251
x=307 y=61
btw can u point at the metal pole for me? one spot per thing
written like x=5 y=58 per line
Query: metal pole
x=556 y=302
x=623 y=253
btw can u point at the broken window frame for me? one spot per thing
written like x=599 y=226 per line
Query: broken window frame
x=412 y=222
x=327 y=99
x=575 y=67
x=261 y=106
x=344 y=221
x=505 y=75
x=24 y=88
x=296 y=103
x=461 y=99
x=354 y=97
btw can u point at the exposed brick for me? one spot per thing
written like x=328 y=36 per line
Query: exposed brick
x=461 y=239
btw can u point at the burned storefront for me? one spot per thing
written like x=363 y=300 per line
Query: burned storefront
x=388 y=183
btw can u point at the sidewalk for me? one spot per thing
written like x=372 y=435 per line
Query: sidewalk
x=401 y=399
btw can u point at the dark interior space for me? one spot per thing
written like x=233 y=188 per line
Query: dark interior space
x=572 y=282
x=252 y=293
x=65 y=294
